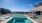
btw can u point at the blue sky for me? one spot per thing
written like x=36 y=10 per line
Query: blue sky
x=18 y=5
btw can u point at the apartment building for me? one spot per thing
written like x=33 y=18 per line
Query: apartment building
x=37 y=9
x=4 y=11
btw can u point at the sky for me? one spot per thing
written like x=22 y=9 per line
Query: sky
x=18 y=5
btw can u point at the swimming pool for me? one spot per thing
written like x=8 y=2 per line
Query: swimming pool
x=19 y=18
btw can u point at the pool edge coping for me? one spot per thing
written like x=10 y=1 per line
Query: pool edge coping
x=34 y=21
x=5 y=21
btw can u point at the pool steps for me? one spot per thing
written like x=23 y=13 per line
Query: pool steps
x=14 y=21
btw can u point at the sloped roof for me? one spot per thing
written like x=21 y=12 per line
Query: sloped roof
x=38 y=4
x=37 y=7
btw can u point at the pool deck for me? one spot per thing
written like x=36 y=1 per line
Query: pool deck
x=5 y=21
x=34 y=21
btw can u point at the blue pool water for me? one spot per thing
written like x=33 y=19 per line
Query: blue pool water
x=19 y=19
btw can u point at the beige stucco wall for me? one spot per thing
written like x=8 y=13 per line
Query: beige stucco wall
x=39 y=8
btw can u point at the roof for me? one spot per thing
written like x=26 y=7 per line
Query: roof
x=39 y=4
x=37 y=7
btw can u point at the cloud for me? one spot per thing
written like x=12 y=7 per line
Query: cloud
x=30 y=5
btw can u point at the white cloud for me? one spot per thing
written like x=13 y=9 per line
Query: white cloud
x=30 y=5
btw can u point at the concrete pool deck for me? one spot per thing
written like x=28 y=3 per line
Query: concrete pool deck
x=34 y=21
x=28 y=17
x=12 y=17
x=5 y=21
